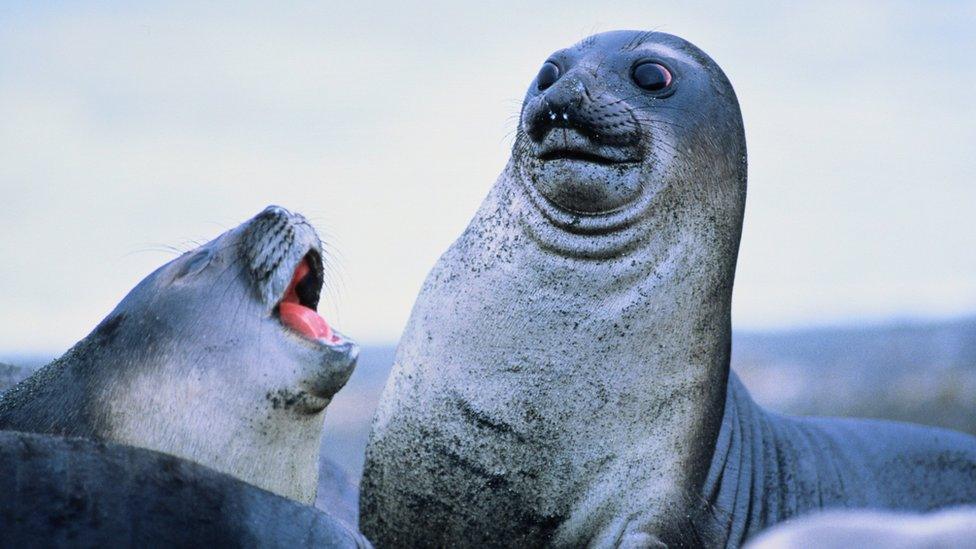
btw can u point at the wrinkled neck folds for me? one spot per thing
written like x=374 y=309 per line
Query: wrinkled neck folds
x=617 y=313
x=666 y=232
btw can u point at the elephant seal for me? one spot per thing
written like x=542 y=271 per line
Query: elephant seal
x=840 y=529
x=217 y=357
x=71 y=492
x=564 y=376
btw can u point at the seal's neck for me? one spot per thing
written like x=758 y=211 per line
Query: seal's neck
x=595 y=365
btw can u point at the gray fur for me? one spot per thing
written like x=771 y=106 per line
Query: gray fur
x=195 y=363
x=564 y=374
x=65 y=492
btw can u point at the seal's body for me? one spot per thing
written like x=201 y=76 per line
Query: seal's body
x=211 y=358
x=841 y=529
x=70 y=492
x=563 y=376
x=767 y=467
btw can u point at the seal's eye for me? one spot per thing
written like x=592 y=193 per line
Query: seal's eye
x=652 y=76
x=195 y=263
x=547 y=76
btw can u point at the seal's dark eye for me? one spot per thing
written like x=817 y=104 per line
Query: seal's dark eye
x=547 y=76
x=652 y=76
x=196 y=263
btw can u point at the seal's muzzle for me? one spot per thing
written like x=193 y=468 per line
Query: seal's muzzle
x=579 y=141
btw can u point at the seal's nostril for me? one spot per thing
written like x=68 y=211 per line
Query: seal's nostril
x=275 y=211
x=560 y=98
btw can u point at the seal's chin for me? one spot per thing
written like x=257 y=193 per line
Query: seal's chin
x=577 y=183
x=334 y=355
x=588 y=199
x=581 y=176
x=599 y=155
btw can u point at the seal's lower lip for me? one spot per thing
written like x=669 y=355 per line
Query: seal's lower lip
x=582 y=156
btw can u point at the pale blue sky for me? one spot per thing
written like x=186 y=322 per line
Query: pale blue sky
x=128 y=128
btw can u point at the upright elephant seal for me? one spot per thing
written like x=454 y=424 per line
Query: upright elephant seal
x=564 y=376
x=217 y=357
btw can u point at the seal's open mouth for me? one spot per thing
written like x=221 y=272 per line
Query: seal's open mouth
x=297 y=309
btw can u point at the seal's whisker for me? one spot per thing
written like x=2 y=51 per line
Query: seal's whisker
x=689 y=112
x=230 y=246
x=659 y=121
x=510 y=134
x=665 y=147
x=161 y=248
x=616 y=101
x=187 y=330
x=638 y=40
x=231 y=268
x=191 y=243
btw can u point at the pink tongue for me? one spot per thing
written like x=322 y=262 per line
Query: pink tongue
x=304 y=321
x=299 y=317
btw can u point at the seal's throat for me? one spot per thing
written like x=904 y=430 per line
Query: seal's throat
x=297 y=309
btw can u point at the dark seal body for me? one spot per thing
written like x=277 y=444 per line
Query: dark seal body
x=768 y=467
x=564 y=376
x=68 y=492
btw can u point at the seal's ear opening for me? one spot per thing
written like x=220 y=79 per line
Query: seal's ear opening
x=297 y=309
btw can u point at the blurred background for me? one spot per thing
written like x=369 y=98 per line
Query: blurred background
x=131 y=131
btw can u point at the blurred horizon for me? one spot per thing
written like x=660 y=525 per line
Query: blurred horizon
x=38 y=357
x=918 y=372
x=133 y=129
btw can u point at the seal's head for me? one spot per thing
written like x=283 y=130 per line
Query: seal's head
x=240 y=309
x=618 y=118
x=218 y=356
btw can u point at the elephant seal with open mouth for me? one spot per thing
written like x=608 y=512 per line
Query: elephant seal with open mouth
x=217 y=357
x=564 y=376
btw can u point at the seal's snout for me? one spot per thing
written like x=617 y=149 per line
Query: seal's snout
x=275 y=211
x=576 y=141
x=272 y=245
x=608 y=128
x=559 y=106
x=284 y=257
